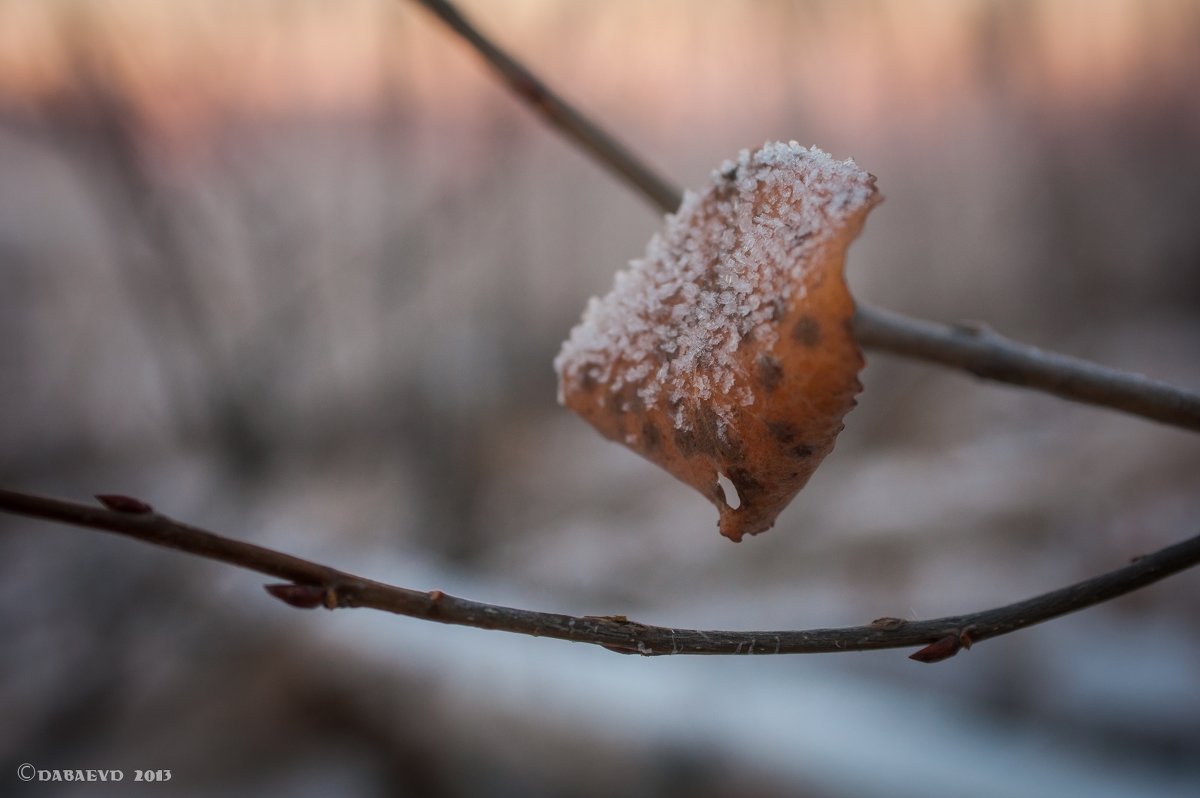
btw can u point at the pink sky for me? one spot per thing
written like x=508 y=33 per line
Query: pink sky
x=187 y=61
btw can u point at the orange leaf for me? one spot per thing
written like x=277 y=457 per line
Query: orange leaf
x=726 y=351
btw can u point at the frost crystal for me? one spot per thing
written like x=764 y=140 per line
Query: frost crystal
x=728 y=261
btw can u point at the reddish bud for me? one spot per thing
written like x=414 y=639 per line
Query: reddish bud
x=123 y=504
x=305 y=597
x=944 y=648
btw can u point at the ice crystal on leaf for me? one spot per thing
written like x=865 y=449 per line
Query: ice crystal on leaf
x=726 y=349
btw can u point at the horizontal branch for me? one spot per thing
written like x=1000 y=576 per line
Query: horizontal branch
x=987 y=354
x=310 y=585
x=979 y=352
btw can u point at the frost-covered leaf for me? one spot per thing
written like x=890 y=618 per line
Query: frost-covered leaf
x=725 y=353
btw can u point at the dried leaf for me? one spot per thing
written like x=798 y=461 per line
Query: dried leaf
x=726 y=351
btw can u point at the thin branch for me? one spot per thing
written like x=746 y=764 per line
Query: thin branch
x=989 y=355
x=310 y=585
x=574 y=125
x=983 y=353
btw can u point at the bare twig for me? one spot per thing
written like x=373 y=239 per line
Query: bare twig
x=574 y=125
x=987 y=354
x=310 y=584
x=983 y=353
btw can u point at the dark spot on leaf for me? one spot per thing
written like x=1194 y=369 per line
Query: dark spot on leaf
x=651 y=437
x=693 y=441
x=721 y=442
x=731 y=448
x=806 y=331
x=783 y=431
x=685 y=442
x=747 y=486
x=742 y=478
x=770 y=372
x=626 y=401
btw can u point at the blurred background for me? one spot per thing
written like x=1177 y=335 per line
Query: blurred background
x=295 y=271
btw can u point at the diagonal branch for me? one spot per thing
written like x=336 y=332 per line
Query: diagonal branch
x=311 y=585
x=573 y=125
x=985 y=354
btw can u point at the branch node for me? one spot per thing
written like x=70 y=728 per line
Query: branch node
x=972 y=327
x=888 y=624
x=124 y=504
x=610 y=619
x=305 y=597
x=435 y=602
